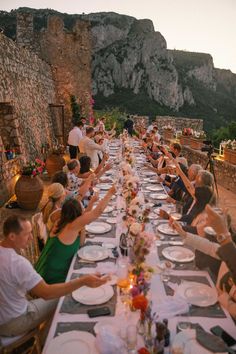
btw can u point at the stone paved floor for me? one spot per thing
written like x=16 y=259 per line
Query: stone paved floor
x=227 y=199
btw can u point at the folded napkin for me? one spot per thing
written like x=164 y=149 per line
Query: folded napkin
x=170 y=307
x=210 y=341
x=108 y=342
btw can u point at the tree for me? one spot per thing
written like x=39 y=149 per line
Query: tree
x=75 y=109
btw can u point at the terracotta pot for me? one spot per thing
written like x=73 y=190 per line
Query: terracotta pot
x=184 y=140
x=230 y=156
x=54 y=163
x=196 y=144
x=29 y=191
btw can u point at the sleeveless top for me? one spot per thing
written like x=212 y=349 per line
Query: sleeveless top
x=55 y=259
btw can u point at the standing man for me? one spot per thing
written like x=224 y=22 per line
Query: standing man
x=75 y=135
x=90 y=148
x=129 y=125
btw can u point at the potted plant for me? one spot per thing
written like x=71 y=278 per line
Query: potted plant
x=29 y=187
x=196 y=142
x=229 y=151
x=55 y=160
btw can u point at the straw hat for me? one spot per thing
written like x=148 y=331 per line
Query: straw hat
x=55 y=190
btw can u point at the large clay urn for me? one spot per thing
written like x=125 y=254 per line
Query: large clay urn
x=54 y=163
x=29 y=191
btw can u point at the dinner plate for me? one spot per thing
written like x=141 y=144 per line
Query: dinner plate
x=166 y=229
x=176 y=216
x=108 y=209
x=158 y=196
x=152 y=216
x=154 y=188
x=69 y=342
x=98 y=227
x=93 y=296
x=93 y=253
x=178 y=254
x=103 y=186
x=149 y=173
x=197 y=293
x=111 y=220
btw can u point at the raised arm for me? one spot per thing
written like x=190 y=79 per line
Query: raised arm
x=92 y=215
x=190 y=188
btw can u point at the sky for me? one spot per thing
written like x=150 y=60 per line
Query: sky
x=207 y=26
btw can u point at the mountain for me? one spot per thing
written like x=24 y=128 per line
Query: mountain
x=133 y=69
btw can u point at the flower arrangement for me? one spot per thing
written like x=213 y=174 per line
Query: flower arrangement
x=33 y=168
x=187 y=132
x=168 y=127
x=229 y=144
x=199 y=134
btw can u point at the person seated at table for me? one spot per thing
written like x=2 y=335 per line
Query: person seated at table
x=19 y=314
x=225 y=285
x=56 y=195
x=85 y=167
x=64 y=239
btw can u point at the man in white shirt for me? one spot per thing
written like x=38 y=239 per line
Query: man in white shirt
x=75 y=135
x=88 y=146
x=19 y=315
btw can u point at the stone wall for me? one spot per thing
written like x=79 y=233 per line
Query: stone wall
x=224 y=171
x=69 y=55
x=26 y=90
x=179 y=122
x=27 y=87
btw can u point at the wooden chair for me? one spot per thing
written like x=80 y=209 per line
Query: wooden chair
x=19 y=344
x=32 y=252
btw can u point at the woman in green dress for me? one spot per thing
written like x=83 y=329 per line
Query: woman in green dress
x=64 y=240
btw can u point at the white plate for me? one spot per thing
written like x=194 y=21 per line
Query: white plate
x=197 y=293
x=158 y=196
x=113 y=280
x=69 y=342
x=176 y=216
x=154 y=188
x=104 y=186
x=178 y=254
x=108 y=209
x=166 y=229
x=98 y=227
x=152 y=216
x=93 y=253
x=93 y=296
x=111 y=220
x=149 y=173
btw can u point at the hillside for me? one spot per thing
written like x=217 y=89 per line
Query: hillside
x=133 y=69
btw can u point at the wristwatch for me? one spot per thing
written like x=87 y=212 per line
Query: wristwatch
x=223 y=237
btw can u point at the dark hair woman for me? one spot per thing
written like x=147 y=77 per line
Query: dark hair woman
x=64 y=240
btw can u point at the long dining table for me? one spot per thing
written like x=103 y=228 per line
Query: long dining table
x=69 y=316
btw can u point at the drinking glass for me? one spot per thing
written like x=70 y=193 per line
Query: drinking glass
x=131 y=338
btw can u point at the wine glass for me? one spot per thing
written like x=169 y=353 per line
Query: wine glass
x=131 y=338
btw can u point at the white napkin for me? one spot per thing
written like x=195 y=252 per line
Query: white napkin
x=171 y=306
x=107 y=342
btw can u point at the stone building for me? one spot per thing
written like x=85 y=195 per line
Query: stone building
x=39 y=72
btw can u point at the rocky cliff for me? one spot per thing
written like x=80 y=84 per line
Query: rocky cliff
x=133 y=69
